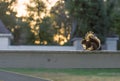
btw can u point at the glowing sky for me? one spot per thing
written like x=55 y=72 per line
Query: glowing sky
x=21 y=8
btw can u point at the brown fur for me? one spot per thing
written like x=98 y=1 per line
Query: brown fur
x=91 y=42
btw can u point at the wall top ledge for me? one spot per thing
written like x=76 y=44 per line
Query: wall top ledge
x=59 y=52
x=112 y=38
x=6 y=35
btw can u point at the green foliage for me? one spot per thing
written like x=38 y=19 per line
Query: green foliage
x=61 y=21
x=22 y=33
x=35 y=16
x=67 y=17
x=46 y=31
x=116 y=22
x=20 y=30
x=91 y=15
x=36 y=9
x=77 y=10
x=7 y=15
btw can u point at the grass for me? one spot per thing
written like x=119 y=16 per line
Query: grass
x=67 y=71
x=71 y=74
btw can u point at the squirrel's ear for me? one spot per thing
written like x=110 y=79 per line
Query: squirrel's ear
x=90 y=32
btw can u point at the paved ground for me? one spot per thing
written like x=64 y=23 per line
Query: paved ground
x=9 y=76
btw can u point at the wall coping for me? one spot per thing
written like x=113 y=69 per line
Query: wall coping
x=6 y=35
x=112 y=38
x=60 y=52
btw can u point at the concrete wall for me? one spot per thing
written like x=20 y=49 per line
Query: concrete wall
x=111 y=43
x=5 y=40
x=59 y=59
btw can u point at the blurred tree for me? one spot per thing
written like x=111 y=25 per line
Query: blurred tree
x=7 y=15
x=116 y=26
x=22 y=33
x=36 y=13
x=90 y=15
x=77 y=10
x=39 y=28
x=116 y=18
x=46 y=31
x=20 y=29
x=61 y=22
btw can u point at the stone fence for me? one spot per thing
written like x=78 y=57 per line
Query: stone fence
x=57 y=56
x=5 y=44
x=59 y=59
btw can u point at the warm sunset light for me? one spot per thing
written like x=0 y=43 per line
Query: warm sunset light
x=50 y=3
x=21 y=11
x=21 y=6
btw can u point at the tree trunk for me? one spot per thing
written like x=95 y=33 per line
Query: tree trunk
x=74 y=27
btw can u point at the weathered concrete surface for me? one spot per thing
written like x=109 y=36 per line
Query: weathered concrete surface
x=59 y=59
x=9 y=76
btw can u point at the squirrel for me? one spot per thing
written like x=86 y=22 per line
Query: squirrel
x=91 y=42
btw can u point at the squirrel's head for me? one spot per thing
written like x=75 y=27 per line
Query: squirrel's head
x=89 y=35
